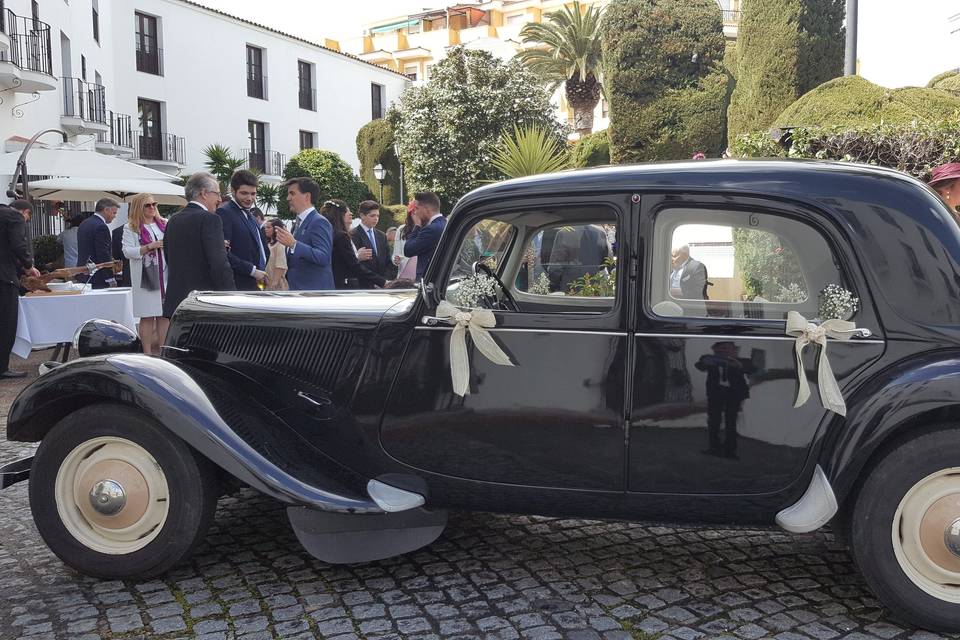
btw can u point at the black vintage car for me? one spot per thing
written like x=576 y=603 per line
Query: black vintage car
x=651 y=317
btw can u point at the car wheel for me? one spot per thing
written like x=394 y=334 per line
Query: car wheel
x=114 y=495
x=905 y=530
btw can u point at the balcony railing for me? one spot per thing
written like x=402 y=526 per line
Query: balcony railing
x=730 y=15
x=257 y=86
x=120 y=133
x=84 y=100
x=267 y=162
x=164 y=148
x=29 y=43
x=149 y=55
x=308 y=99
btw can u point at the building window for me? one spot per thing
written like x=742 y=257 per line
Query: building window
x=149 y=55
x=516 y=18
x=412 y=71
x=256 y=84
x=377 y=99
x=305 y=75
x=96 y=24
x=306 y=140
x=257 y=154
x=427 y=71
x=150 y=125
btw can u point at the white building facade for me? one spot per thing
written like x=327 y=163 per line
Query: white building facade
x=157 y=81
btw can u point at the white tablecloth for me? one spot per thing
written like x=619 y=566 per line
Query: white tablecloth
x=44 y=320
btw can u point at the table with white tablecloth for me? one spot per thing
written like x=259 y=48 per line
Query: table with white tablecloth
x=46 y=320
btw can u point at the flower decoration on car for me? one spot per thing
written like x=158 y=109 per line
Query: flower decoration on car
x=478 y=290
x=836 y=303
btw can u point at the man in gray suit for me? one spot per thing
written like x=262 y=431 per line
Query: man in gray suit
x=688 y=278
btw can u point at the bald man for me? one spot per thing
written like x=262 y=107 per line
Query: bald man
x=688 y=278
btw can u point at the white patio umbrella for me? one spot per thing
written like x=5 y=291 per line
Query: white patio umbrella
x=77 y=163
x=91 y=189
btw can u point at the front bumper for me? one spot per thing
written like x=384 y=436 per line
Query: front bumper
x=14 y=472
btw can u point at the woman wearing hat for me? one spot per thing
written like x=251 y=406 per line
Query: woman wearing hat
x=945 y=180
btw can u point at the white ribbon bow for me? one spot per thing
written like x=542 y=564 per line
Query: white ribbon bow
x=806 y=333
x=477 y=321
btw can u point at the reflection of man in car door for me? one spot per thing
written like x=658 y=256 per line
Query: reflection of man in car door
x=688 y=279
x=727 y=388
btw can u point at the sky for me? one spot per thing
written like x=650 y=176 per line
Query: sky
x=900 y=43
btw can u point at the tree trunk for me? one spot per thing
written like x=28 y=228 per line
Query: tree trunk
x=583 y=97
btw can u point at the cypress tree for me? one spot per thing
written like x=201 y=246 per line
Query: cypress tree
x=785 y=48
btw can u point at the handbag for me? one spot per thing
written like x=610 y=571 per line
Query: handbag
x=150 y=275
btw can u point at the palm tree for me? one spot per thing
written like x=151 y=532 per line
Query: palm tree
x=566 y=50
x=268 y=196
x=530 y=151
x=222 y=163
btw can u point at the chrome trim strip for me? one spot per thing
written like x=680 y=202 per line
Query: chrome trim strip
x=734 y=336
x=507 y=330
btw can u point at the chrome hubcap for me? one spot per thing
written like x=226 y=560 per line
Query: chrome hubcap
x=951 y=538
x=107 y=497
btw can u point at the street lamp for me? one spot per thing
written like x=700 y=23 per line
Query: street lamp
x=380 y=173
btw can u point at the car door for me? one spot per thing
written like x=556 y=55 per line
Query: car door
x=714 y=374
x=555 y=419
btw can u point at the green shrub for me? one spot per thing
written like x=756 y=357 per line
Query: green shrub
x=663 y=70
x=449 y=129
x=852 y=101
x=785 y=48
x=332 y=173
x=396 y=214
x=949 y=83
x=375 y=145
x=935 y=80
x=911 y=148
x=591 y=151
x=531 y=150
x=46 y=250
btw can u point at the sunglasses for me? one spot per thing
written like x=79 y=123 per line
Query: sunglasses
x=149 y=205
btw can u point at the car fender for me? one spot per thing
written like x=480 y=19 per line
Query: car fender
x=913 y=393
x=179 y=397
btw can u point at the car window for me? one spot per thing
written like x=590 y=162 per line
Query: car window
x=570 y=260
x=486 y=242
x=743 y=265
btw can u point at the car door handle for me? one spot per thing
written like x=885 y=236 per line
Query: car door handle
x=317 y=403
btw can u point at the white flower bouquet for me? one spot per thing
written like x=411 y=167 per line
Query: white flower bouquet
x=479 y=290
x=836 y=303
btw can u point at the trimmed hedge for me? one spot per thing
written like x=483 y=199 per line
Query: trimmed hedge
x=942 y=76
x=332 y=173
x=911 y=148
x=375 y=145
x=852 y=101
x=785 y=48
x=664 y=77
x=950 y=83
x=591 y=150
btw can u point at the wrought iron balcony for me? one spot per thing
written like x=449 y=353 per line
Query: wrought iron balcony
x=166 y=148
x=120 y=133
x=149 y=55
x=84 y=100
x=29 y=43
x=730 y=16
x=267 y=162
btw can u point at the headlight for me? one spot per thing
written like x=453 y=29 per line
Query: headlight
x=97 y=337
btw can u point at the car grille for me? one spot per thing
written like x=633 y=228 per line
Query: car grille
x=314 y=356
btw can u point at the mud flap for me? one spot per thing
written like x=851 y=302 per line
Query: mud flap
x=341 y=538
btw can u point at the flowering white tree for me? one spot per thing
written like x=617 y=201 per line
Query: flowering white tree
x=448 y=130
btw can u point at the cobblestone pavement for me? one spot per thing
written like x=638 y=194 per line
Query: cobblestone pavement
x=488 y=576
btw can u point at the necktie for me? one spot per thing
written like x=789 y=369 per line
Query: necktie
x=255 y=234
x=373 y=240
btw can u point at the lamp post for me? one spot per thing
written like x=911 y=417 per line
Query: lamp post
x=379 y=173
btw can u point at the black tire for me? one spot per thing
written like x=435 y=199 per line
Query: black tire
x=190 y=479
x=904 y=470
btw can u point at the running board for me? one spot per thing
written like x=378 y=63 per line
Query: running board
x=815 y=509
x=14 y=472
x=342 y=538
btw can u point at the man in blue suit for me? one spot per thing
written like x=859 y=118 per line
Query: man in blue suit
x=93 y=242
x=309 y=249
x=248 y=249
x=423 y=240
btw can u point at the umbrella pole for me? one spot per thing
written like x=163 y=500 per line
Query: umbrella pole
x=21 y=169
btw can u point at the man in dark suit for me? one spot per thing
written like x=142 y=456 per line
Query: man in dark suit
x=379 y=268
x=248 y=246
x=423 y=240
x=727 y=388
x=309 y=249
x=193 y=244
x=15 y=259
x=688 y=278
x=93 y=242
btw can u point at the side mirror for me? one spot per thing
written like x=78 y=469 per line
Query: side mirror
x=98 y=337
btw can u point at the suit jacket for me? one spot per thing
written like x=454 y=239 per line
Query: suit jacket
x=344 y=262
x=15 y=256
x=693 y=281
x=93 y=245
x=380 y=268
x=116 y=246
x=309 y=264
x=244 y=254
x=195 y=256
x=422 y=243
